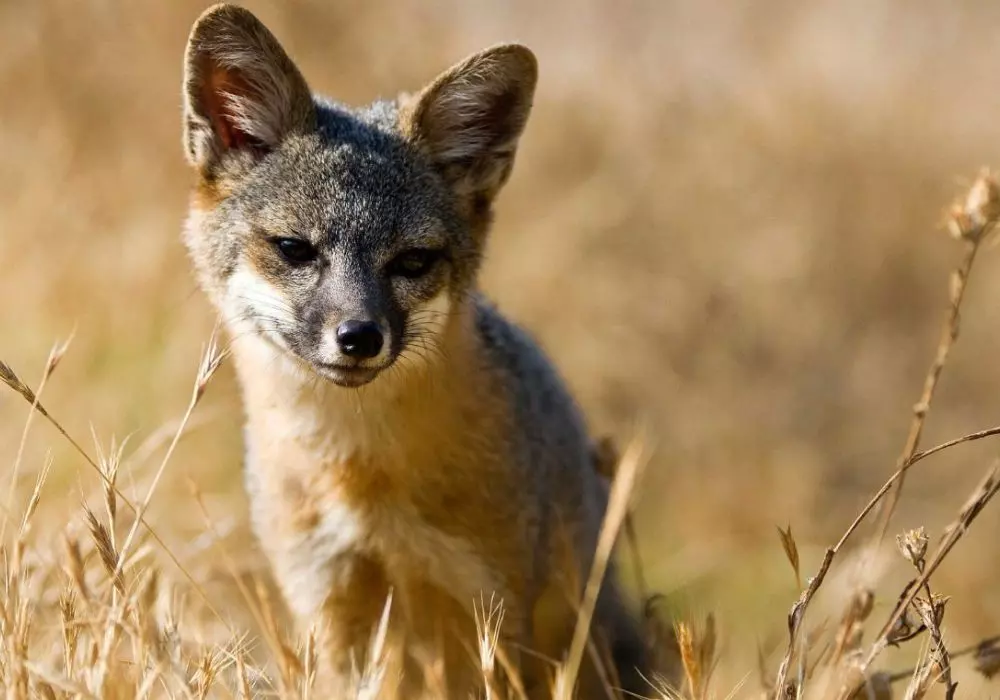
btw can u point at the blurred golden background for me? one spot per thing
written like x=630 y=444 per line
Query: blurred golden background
x=724 y=224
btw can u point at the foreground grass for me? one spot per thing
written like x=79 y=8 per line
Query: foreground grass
x=99 y=617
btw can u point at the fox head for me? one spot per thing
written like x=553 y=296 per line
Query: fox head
x=343 y=237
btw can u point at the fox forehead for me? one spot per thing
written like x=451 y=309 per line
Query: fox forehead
x=356 y=178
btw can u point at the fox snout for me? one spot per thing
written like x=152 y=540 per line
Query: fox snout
x=353 y=348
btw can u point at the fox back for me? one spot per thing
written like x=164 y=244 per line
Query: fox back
x=402 y=436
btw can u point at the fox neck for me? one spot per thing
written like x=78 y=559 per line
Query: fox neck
x=402 y=411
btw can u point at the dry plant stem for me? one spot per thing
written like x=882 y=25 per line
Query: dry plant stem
x=211 y=361
x=916 y=689
x=227 y=560
x=949 y=334
x=986 y=490
x=898 y=474
x=607 y=460
x=989 y=432
x=964 y=651
x=932 y=621
x=938 y=658
x=9 y=378
x=931 y=612
x=24 y=441
x=637 y=567
x=621 y=490
x=123 y=552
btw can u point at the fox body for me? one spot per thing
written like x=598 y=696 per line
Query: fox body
x=402 y=436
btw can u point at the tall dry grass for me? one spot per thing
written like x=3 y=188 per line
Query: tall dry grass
x=729 y=209
x=127 y=644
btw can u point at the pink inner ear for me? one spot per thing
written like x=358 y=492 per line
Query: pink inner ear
x=221 y=83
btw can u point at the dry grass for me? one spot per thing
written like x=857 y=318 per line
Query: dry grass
x=728 y=209
x=109 y=631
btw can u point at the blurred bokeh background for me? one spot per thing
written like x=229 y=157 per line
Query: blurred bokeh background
x=724 y=224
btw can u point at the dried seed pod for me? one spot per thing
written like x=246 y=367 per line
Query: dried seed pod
x=972 y=217
x=908 y=626
x=913 y=545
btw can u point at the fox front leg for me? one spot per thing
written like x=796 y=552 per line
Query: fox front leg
x=347 y=625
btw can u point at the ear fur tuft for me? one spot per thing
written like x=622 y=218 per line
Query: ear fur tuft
x=468 y=120
x=241 y=90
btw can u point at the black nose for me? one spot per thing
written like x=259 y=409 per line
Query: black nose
x=360 y=339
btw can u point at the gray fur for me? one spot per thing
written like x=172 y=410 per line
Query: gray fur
x=361 y=194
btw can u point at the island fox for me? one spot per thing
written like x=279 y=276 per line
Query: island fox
x=401 y=435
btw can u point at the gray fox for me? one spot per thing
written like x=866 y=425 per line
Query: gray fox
x=401 y=435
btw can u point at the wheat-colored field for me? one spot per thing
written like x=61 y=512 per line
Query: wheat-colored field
x=725 y=225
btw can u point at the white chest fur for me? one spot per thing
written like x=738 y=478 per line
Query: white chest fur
x=311 y=539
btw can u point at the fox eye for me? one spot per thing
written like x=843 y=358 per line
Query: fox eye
x=295 y=250
x=414 y=263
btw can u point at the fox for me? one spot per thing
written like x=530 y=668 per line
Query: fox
x=412 y=457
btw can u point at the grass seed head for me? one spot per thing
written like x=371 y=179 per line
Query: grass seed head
x=972 y=217
x=913 y=545
x=56 y=354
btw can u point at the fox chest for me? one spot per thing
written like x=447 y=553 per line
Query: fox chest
x=313 y=524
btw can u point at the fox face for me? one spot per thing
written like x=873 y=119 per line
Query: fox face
x=346 y=238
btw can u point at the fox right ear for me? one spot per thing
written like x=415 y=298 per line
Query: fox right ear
x=241 y=90
x=468 y=121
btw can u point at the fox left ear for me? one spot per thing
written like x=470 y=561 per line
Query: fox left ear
x=241 y=90
x=468 y=121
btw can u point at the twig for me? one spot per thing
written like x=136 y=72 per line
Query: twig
x=55 y=355
x=606 y=459
x=970 y=221
x=227 y=560
x=989 y=432
x=637 y=567
x=621 y=489
x=210 y=363
x=986 y=490
x=949 y=335
x=964 y=651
